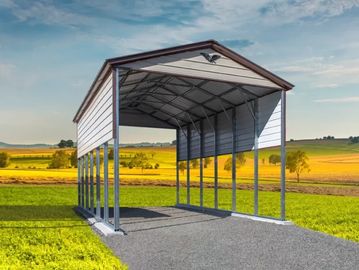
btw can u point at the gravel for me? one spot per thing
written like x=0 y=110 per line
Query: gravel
x=173 y=238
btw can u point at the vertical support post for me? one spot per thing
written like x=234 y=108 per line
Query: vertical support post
x=82 y=182
x=79 y=182
x=234 y=161
x=283 y=154
x=87 y=179
x=188 y=165
x=98 y=184
x=215 y=162
x=201 y=164
x=105 y=182
x=116 y=150
x=256 y=155
x=177 y=169
x=91 y=184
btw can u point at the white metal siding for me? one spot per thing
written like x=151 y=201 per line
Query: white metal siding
x=96 y=125
x=269 y=120
x=193 y=64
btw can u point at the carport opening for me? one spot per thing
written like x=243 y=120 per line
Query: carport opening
x=219 y=104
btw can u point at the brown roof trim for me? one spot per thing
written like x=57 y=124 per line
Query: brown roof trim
x=105 y=69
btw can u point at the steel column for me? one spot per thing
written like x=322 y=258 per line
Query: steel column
x=215 y=162
x=283 y=154
x=201 y=165
x=234 y=161
x=78 y=182
x=82 y=182
x=91 y=184
x=116 y=170
x=256 y=155
x=87 y=179
x=177 y=169
x=188 y=165
x=98 y=183
x=105 y=181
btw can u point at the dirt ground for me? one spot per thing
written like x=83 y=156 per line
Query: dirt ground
x=290 y=187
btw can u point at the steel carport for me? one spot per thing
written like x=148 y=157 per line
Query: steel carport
x=218 y=101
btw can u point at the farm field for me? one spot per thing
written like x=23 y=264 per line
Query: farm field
x=334 y=165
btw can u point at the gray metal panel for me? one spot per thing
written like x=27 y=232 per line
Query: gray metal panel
x=224 y=127
x=195 y=143
x=244 y=128
x=208 y=137
x=182 y=142
x=269 y=129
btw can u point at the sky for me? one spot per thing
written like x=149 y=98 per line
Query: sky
x=50 y=52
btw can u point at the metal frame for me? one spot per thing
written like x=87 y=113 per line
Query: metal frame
x=91 y=184
x=98 y=183
x=86 y=163
x=283 y=154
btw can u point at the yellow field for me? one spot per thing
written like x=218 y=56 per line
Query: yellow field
x=328 y=165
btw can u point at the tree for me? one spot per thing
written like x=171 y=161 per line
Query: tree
x=110 y=154
x=274 y=159
x=157 y=166
x=65 y=143
x=60 y=159
x=73 y=159
x=70 y=143
x=228 y=165
x=182 y=166
x=207 y=161
x=140 y=160
x=62 y=144
x=354 y=139
x=4 y=159
x=194 y=163
x=240 y=161
x=297 y=162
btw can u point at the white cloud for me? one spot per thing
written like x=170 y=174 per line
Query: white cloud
x=290 y=11
x=338 y=100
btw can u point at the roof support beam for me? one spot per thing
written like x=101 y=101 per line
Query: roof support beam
x=193 y=101
x=155 y=117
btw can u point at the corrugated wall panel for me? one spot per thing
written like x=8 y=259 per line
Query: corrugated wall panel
x=96 y=125
x=195 y=142
x=269 y=127
x=182 y=143
x=208 y=137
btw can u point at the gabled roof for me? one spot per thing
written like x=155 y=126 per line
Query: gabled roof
x=209 y=44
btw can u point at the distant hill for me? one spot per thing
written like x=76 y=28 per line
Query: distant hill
x=37 y=145
x=43 y=145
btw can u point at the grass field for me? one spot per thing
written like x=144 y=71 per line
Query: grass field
x=39 y=229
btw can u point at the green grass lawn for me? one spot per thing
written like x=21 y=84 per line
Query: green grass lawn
x=39 y=229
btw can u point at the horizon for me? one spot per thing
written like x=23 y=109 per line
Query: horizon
x=51 y=52
x=166 y=142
